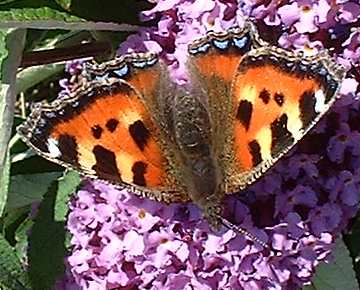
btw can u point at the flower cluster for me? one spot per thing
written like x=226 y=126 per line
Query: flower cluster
x=73 y=69
x=300 y=206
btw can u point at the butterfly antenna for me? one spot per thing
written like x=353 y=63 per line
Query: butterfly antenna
x=243 y=232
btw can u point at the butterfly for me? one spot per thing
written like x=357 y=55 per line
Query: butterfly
x=247 y=103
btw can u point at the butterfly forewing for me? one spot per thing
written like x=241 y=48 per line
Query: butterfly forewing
x=146 y=73
x=216 y=56
x=277 y=96
x=107 y=130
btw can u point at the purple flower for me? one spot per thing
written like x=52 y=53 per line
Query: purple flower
x=344 y=141
x=140 y=42
x=349 y=11
x=304 y=17
x=295 y=225
x=299 y=207
x=300 y=42
x=74 y=69
x=352 y=49
x=303 y=164
x=349 y=86
x=325 y=218
x=303 y=196
x=268 y=12
x=112 y=248
x=344 y=188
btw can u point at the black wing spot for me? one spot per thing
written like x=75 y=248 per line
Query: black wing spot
x=255 y=152
x=69 y=149
x=281 y=136
x=139 y=133
x=111 y=124
x=96 y=131
x=264 y=96
x=105 y=166
x=139 y=170
x=244 y=113
x=279 y=99
x=307 y=108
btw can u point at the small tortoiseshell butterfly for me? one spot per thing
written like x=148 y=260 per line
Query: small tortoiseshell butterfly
x=247 y=104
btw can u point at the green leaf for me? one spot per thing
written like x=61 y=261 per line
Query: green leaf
x=127 y=12
x=49 y=39
x=28 y=188
x=11 y=45
x=29 y=15
x=34 y=164
x=338 y=274
x=12 y=275
x=28 y=10
x=6 y=1
x=352 y=240
x=31 y=76
x=67 y=186
x=22 y=240
x=66 y=4
x=48 y=236
x=4 y=179
x=11 y=221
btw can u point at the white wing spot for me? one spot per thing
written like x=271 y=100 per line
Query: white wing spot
x=248 y=93
x=53 y=147
x=320 y=101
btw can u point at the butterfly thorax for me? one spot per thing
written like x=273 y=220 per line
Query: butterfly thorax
x=192 y=128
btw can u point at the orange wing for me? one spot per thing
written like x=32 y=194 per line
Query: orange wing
x=277 y=96
x=106 y=130
x=141 y=70
x=217 y=55
x=213 y=61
